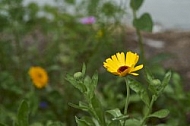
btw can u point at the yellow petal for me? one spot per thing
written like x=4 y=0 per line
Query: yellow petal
x=135 y=74
x=115 y=60
x=136 y=59
x=110 y=63
x=121 y=58
x=137 y=68
x=110 y=69
x=115 y=73
x=131 y=59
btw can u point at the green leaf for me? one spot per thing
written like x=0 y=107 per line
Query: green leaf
x=22 y=116
x=164 y=83
x=121 y=117
x=132 y=122
x=160 y=114
x=76 y=83
x=85 y=107
x=144 y=23
x=98 y=110
x=135 y=85
x=55 y=124
x=149 y=75
x=115 y=123
x=89 y=120
x=166 y=79
x=178 y=87
x=93 y=84
x=154 y=84
x=144 y=96
x=115 y=112
x=95 y=79
x=90 y=85
x=81 y=106
x=83 y=69
x=138 y=88
x=81 y=122
x=77 y=80
x=136 y=4
x=1 y=124
x=89 y=93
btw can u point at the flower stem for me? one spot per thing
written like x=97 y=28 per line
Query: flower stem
x=140 y=39
x=127 y=99
x=149 y=111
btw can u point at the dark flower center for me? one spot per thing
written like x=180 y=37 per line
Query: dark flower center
x=122 y=69
x=39 y=75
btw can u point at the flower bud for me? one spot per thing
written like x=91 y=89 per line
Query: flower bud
x=78 y=75
x=156 y=82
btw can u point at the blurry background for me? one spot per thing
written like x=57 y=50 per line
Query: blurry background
x=167 y=14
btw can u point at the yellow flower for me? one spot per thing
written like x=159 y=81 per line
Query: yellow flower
x=120 y=65
x=39 y=76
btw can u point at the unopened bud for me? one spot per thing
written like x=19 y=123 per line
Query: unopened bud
x=78 y=75
x=156 y=82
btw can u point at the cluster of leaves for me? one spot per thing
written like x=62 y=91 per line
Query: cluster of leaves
x=87 y=87
x=96 y=114
x=144 y=22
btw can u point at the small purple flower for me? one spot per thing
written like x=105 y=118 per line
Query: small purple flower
x=43 y=104
x=88 y=20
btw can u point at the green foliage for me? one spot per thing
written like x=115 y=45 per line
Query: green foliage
x=53 y=37
x=155 y=85
x=117 y=117
x=22 y=116
x=143 y=23
x=87 y=85
x=93 y=106
x=2 y=124
x=140 y=90
x=70 y=1
x=109 y=9
x=93 y=6
x=55 y=124
x=136 y=4
x=81 y=122
x=160 y=114
x=132 y=122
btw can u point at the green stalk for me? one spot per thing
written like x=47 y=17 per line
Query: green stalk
x=149 y=111
x=140 y=39
x=127 y=99
x=92 y=111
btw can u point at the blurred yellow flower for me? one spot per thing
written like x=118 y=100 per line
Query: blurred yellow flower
x=122 y=65
x=39 y=76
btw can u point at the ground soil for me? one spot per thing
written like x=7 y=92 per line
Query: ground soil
x=176 y=43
